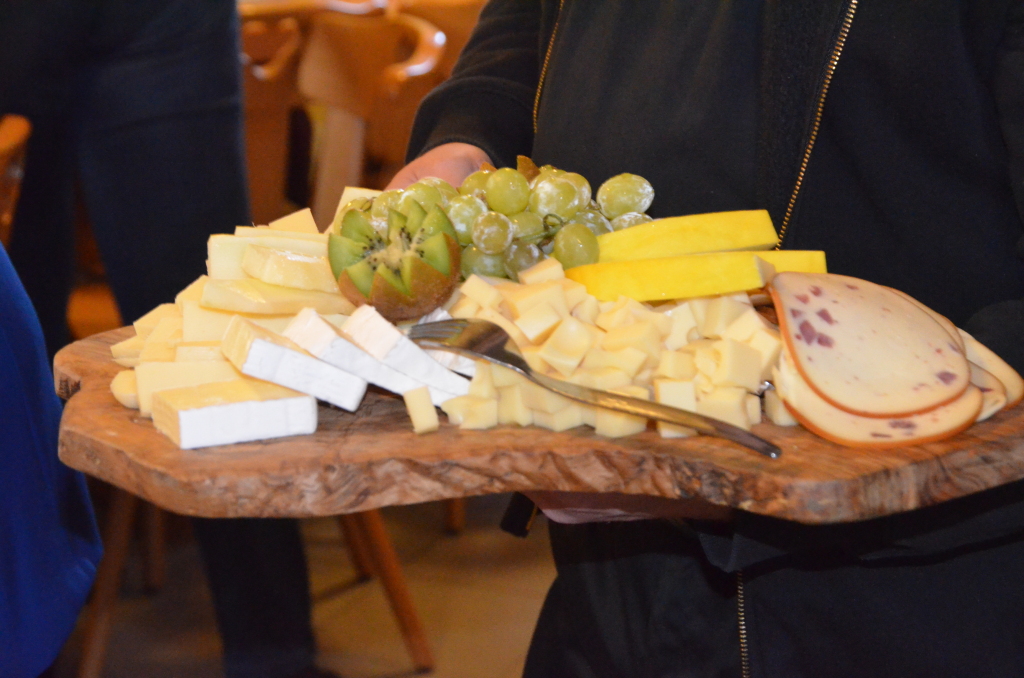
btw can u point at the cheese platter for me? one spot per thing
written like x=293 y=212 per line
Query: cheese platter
x=264 y=391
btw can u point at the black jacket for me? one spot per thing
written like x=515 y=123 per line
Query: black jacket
x=914 y=179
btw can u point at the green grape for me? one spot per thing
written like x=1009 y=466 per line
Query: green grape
x=520 y=256
x=594 y=220
x=475 y=261
x=582 y=188
x=386 y=201
x=492 y=232
x=507 y=191
x=555 y=195
x=527 y=226
x=447 y=190
x=547 y=170
x=625 y=193
x=629 y=219
x=475 y=183
x=463 y=211
x=575 y=245
x=425 y=194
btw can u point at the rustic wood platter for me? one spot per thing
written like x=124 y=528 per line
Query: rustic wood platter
x=370 y=459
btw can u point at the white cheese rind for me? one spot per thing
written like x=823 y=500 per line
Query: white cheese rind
x=259 y=353
x=232 y=412
x=320 y=338
x=370 y=331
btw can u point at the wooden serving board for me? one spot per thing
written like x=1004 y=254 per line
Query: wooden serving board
x=372 y=459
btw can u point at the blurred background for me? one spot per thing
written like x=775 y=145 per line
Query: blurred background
x=330 y=90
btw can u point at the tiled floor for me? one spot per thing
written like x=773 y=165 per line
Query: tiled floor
x=478 y=594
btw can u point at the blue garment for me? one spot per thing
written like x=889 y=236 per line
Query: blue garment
x=49 y=545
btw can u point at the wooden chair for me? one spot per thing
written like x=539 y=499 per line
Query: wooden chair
x=369 y=73
x=14 y=133
x=456 y=18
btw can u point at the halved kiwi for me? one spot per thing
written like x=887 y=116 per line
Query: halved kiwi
x=405 y=272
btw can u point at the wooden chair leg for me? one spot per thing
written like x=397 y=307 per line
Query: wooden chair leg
x=155 y=551
x=118 y=532
x=358 y=548
x=454 y=515
x=386 y=565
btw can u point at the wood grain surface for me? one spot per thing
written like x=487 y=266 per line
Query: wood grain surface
x=372 y=459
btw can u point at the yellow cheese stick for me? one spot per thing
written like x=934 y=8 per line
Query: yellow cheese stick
x=691 y=234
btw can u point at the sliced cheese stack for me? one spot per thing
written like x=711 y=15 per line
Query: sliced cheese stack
x=260 y=353
x=867 y=366
x=233 y=411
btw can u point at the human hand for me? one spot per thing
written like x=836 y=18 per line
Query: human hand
x=452 y=162
x=591 y=507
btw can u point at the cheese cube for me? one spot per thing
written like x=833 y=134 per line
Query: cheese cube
x=533 y=358
x=679 y=393
x=421 y=410
x=683 y=321
x=726 y=403
x=565 y=348
x=575 y=293
x=539 y=399
x=545 y=269
x=627 y=359
x=676 y=365
x=768 y=344
x=256 y=296
x=481 y=291
x=471 y=412
x=300 y=221
x=259 y=353
x=563 y=420
x=289 y=269
x=512 y=408
x=482 y=384
x=464 y=308
x=522 y=298
x=744 y=326
x=504 y=376
x=753 y=409
x=538 y=322
x=125 y=389
x=157 y=376
x=587 y=310
x=776 y=410
x=231 y=412
x=601 y=378
x=738 y=365
x=615 y=424
x=719 y=314
x=640 y=335
x=511 y=329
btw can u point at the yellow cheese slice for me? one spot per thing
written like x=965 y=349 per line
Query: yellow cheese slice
x=256 y=296
x=148 y=322
x=300 y=221
x=125 y=389
x=264 y=232
x=158 y=376
x=289 y=269
x=691 y=234
x=194 y=292
x=692 y=275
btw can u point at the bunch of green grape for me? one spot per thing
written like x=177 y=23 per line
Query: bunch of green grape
x=506 y=223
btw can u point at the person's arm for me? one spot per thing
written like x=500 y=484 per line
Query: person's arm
x=488 y=100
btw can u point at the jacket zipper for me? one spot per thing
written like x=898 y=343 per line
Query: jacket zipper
x=833 y=62
x=544 y=66
x=741 y=615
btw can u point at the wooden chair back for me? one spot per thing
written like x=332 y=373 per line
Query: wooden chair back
x=14 y=134
x=456 y=18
